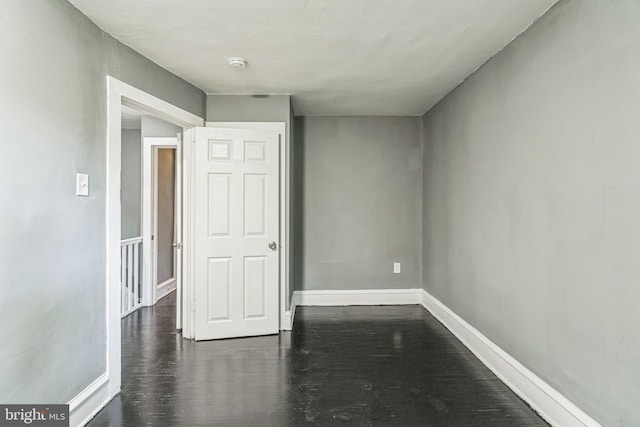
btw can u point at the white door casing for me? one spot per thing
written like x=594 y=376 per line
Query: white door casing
x=118 y=94
x=178 y=232
x=236 y=232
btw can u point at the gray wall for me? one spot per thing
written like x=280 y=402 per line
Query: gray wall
x=153 y=127
x=361 y=205
x=52 y=243
x=297 y=206
x=131 y=184
x=532 y=203
x=248 y=108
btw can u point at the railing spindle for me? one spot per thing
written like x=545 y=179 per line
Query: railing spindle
x=136 y=273
x=123 y=278
x=130 y=271
x=129 y=276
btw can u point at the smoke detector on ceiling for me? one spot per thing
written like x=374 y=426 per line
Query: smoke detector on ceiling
x=237 y=63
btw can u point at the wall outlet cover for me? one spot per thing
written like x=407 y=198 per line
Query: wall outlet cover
x=82 y=184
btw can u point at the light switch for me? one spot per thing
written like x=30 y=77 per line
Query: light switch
x=396 y=267
x=82 y=184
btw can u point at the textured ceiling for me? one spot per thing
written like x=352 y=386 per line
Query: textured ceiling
x=335 y=57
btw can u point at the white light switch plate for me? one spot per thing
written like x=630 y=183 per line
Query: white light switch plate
x=82 y=184
x=396 y=267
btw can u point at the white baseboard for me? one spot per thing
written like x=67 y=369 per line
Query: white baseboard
x=548 y=402
x=290 y=315
x=165 y=288
x=89 y=401
x=356 y=297
x=287 y=321
x=556 y=409
x=352 y=297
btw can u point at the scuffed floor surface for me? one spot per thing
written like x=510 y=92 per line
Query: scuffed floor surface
x=361 y=366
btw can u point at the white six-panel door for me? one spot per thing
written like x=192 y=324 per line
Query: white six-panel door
x=236 y=215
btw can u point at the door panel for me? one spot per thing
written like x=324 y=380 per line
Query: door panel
x=236 y=214
x=219 y=288
x=255 y=204
x=254 y=287
x=219 y=205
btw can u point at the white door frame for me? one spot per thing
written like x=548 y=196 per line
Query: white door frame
x=187 y=284
x=119 y=94
x=149 y=213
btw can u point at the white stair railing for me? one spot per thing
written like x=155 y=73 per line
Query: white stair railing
x=130 y=295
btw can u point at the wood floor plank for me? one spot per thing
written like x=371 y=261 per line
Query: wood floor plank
x=362 y=366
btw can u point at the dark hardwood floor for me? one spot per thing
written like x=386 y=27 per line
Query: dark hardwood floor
x=361 y=366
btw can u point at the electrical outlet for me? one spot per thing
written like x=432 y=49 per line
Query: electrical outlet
x=396 y=267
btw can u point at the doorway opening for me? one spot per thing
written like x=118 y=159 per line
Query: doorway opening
x=160 y=216
x=149 y=209
x=131 y=266
x=163 y=218
x=120 y=94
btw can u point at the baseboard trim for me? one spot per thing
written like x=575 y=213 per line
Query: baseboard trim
x=165 y=288
x=287 y=322
x=89 y=401
x=292 y=310
x=356 y=297
x=548 y=402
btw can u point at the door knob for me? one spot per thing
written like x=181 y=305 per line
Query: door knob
x=273 y=246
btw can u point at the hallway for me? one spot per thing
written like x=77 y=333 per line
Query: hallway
x=364 y=366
